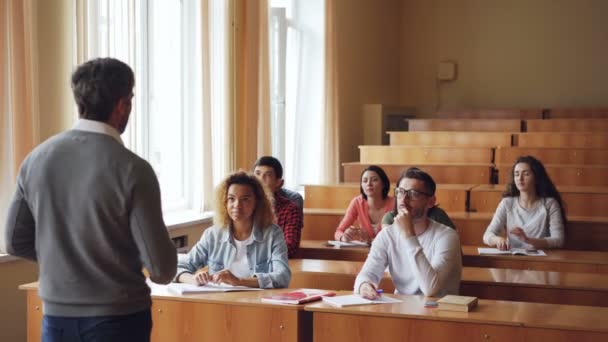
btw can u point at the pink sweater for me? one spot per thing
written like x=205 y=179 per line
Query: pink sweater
x=358 y=209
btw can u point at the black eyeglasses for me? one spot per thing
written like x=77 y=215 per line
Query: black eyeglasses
x=410 y=194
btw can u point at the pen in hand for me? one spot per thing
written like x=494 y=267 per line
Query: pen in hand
x=379 y=292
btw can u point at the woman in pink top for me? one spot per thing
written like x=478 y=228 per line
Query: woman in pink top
x=368 y=208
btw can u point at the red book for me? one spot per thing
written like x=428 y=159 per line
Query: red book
x=298 y=296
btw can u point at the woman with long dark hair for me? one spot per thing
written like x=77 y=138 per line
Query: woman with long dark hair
x=368 y=208
x=531 y=213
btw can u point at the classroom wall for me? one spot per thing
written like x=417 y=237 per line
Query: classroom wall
x=517 y=53
x=368 y=34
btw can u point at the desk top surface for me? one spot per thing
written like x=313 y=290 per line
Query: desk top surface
x=535 y=315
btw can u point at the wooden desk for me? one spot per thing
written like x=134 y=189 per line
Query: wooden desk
x=566 y=175
x=578 y=113
x=235 y=316
x=464 y=125
x=567 y=125
x=489 y=283
x=561 y=140
x=579 y=200
x=490 y=321
x=556 y=260
x=443 y=173
x=582 y=233
x=451 y=197
x=445 y=154
x=490 y=113
x=453 y=139
x=557 y=156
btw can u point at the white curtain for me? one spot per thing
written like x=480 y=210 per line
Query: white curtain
x=19 y=116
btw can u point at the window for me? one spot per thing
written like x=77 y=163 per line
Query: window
x=297 y=45
x=161 y=40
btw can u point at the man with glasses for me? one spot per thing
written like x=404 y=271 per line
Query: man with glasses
x=423 y=256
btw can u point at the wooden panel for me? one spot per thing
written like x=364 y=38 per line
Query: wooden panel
x=562 y=140
x=321 y=225
x=337 y=196
x=441 y=173
x=535 y=113
x=424 y=154
x=579 y=201
x=567 y=125
x=331 y=327
x=566 y=175
x=181 y=321
x=561 y=113
x=582 y=233
x=452 y=139
x=451 y=197
x=464 y=125
x=560 y=156
x=34 y=316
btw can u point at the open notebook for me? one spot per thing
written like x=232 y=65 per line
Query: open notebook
x=512 y=251
x=355 y=299
x=182 y=288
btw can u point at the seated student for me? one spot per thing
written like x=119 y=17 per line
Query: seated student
x=243 y=247
x=423 y=256
x=289 y=217
x=531 y=211
x=367 y=208
x=435 y=213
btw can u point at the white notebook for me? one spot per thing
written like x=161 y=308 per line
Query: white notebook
x=183 y=288
x=355 y=299
x=512 y=251
x=339 y=244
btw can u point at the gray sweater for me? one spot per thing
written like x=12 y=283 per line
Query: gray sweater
x=88 y=210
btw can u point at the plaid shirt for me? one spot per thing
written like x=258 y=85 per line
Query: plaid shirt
x=291 y=220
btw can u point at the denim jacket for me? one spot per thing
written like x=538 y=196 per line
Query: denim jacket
x=267 y=255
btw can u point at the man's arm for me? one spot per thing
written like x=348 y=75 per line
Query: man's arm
x=292 y=222
x=157 y=252
x=20 y=233
x=375 y=264
x=433 y=275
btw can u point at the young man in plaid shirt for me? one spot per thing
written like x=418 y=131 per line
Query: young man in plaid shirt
x=289 y=216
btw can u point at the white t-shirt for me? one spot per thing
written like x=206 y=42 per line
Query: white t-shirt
x=428 y=264
x=240 y=265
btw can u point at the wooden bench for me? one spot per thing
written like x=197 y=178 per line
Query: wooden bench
x=558 y=156
x=464 y=125
x=451 y=139
x=579 y=200
x=534 y=113
x=452 y=197
x=582 y=233
x=488 y=283
x=567 y=125
x=561 y=140
x=382 y=154
x=565 y=175
x=442 y=173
